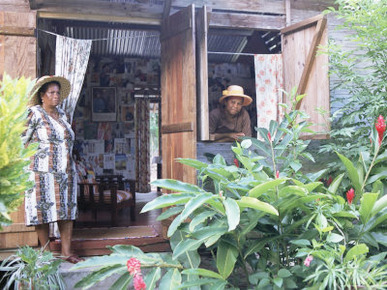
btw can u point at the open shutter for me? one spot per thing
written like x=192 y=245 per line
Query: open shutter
x=307 y=70
x=202 y=73
x=17 y=58
x=178 y=94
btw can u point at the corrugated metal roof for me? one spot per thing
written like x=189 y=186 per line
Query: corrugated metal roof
x=122 y=40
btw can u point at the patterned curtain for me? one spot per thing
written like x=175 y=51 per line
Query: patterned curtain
x=72 y=57
x=269 y=85
x=142 y=145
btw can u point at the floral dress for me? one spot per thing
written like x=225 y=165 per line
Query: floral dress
x=54 y=195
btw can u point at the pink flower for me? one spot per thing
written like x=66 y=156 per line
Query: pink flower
x=139 y=283
x=308 y=260
x=350 y=195
x=236 y=162
x=380 y=127
x=134 y=266
x=277 y=174
x=269 y=135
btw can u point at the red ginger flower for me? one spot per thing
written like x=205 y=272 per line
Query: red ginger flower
x=350 y=195
x=329 y=181
x=139 y=283
x=269 y=135
x=277 y=174
x=236 y=162
x=380 y=127
x=134 y=266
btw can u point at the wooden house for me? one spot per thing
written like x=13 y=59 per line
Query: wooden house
x=190 y=33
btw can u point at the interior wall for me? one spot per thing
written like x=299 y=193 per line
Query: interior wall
x=104 y=120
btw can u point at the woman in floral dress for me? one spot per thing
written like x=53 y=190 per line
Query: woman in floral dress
x=54 y=196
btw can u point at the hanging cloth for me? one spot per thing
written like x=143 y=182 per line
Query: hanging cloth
x=268 y=85
x=72 y=57
x=142 y=145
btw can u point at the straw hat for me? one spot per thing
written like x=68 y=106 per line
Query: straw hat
x=65 y=88
x=236 y=91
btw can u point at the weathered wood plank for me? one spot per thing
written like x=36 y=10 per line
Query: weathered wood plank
x=17 y=31
x=306 y=5
x=177 y=128
x=301 y=25
x=247 y=21
x=320 y=28
x=202 y=73
x=99 y=7
x=256 y=6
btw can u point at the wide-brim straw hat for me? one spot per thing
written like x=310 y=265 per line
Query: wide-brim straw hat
x=65 y=88
x=236 y=91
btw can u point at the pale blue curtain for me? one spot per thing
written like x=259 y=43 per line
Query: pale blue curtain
x=71 y=59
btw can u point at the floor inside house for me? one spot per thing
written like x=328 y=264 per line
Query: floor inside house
x=91 y=237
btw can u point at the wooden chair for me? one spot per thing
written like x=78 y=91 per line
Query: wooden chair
x=108 y=192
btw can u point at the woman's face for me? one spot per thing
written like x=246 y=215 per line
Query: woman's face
x=51 y=97
x=233 y=105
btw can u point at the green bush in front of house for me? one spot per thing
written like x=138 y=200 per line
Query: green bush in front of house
x=14 y=157
x=265 y=224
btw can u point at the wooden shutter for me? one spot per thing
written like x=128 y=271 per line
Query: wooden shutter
x=178 y=94
x=307 y=70
x=17 y=58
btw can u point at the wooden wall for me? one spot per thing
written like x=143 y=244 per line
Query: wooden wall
x=17 y=58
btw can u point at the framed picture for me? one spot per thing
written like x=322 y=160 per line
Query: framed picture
x=104 y=104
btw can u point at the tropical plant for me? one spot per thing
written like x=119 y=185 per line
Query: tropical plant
x=265 y=223
x=360 y=70
x=14 y=157
x=32 y=269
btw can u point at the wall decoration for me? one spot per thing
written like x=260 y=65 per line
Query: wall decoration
x=104 y=104
x=127 y=114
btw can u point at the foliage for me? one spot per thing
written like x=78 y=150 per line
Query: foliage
x=32 y=269
x=14 y=157
x=361 y=73
x=263 y=219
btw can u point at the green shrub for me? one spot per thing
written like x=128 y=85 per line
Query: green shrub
x=14 y=157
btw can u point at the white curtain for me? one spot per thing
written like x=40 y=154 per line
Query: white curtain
x=71 y=59
x=269 y=85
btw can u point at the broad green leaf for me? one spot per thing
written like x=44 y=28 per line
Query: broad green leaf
x=356 y=251
x=278 y=281
x=352 y=174
x=336 y=183
x=101 y=261
x=203 y=273
x=174 y=225
x=344 y=214
x=226 y=257
x=171 y=280
x=192 y=162
x=167 y=200
x=293 y=189
x=301 y=242
x=380 y=204
x=195 y=203
x=284 y=273
x=123 y=282
x=177 y=186
x=200 y=218
x=187 y=245
x=189 y=259
x=196 y=282
x=265 y=187
x=170 y=212
x=151 y=278
x=376 y=220
x=254 y=203
x=99 y=275
x=232 y=212
x=334 y=238
x=366 y=204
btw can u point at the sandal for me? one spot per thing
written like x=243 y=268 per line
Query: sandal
x=74 y=259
